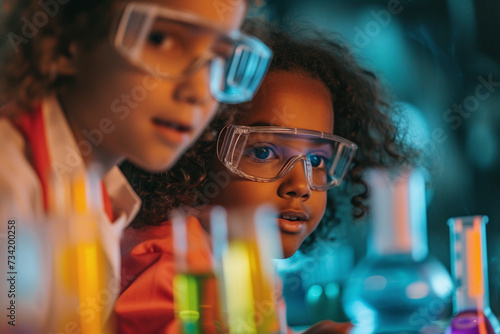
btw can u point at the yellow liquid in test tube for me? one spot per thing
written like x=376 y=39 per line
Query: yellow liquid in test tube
x=80 y=268
x=250 y=297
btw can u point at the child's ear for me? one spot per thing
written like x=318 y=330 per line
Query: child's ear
x=64 y=64
x=54 y=62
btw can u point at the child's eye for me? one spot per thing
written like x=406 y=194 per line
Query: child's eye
x=162 y=40
x=157 y=37
x=317 y=161
x=261 y=153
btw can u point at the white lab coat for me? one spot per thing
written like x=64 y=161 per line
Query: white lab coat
x=21 y=199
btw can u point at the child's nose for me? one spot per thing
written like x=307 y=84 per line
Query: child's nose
x=195 y=89
x=295 y=183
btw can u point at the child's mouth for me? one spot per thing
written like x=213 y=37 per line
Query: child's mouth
x=173 y=132
x=292 y=221
x=175 y=126
x=291 y=218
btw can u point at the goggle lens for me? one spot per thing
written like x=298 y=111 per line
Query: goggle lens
x=154 y=38
x=267 y=156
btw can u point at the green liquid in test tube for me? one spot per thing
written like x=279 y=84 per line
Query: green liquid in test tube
x=196 y=302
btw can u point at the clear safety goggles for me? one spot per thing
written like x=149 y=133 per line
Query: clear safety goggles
x=268 y=153
x=180 y=43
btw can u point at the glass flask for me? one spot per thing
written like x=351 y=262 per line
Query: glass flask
x=397 y=287
x=471 y=305
x=324 y=275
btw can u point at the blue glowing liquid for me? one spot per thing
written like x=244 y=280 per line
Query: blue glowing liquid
x=395 y=294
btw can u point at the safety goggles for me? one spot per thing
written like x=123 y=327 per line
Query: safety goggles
x=176 y=44
x=268 y=153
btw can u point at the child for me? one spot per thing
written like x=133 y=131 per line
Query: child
x=86 y=83
x=316 y=90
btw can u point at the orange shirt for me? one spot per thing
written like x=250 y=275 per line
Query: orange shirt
x=146 y=304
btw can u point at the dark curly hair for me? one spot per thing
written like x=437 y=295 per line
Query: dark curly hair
x=361 y=115
x=26 y=55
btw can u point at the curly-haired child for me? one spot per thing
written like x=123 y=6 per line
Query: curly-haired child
x=295 y=140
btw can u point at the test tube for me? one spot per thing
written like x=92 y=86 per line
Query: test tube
x=469 y=266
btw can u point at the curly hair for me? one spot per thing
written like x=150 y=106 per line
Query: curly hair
x=361 y=116
x=36 y=34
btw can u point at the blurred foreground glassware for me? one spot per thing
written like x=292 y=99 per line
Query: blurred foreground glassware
x=397 y=287
x=81 y=296
x=25 y=276
x=244 y=243
x=195 y=285
x=59 y=265
x=469 y=264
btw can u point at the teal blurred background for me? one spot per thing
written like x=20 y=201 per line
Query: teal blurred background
x=441 y=61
